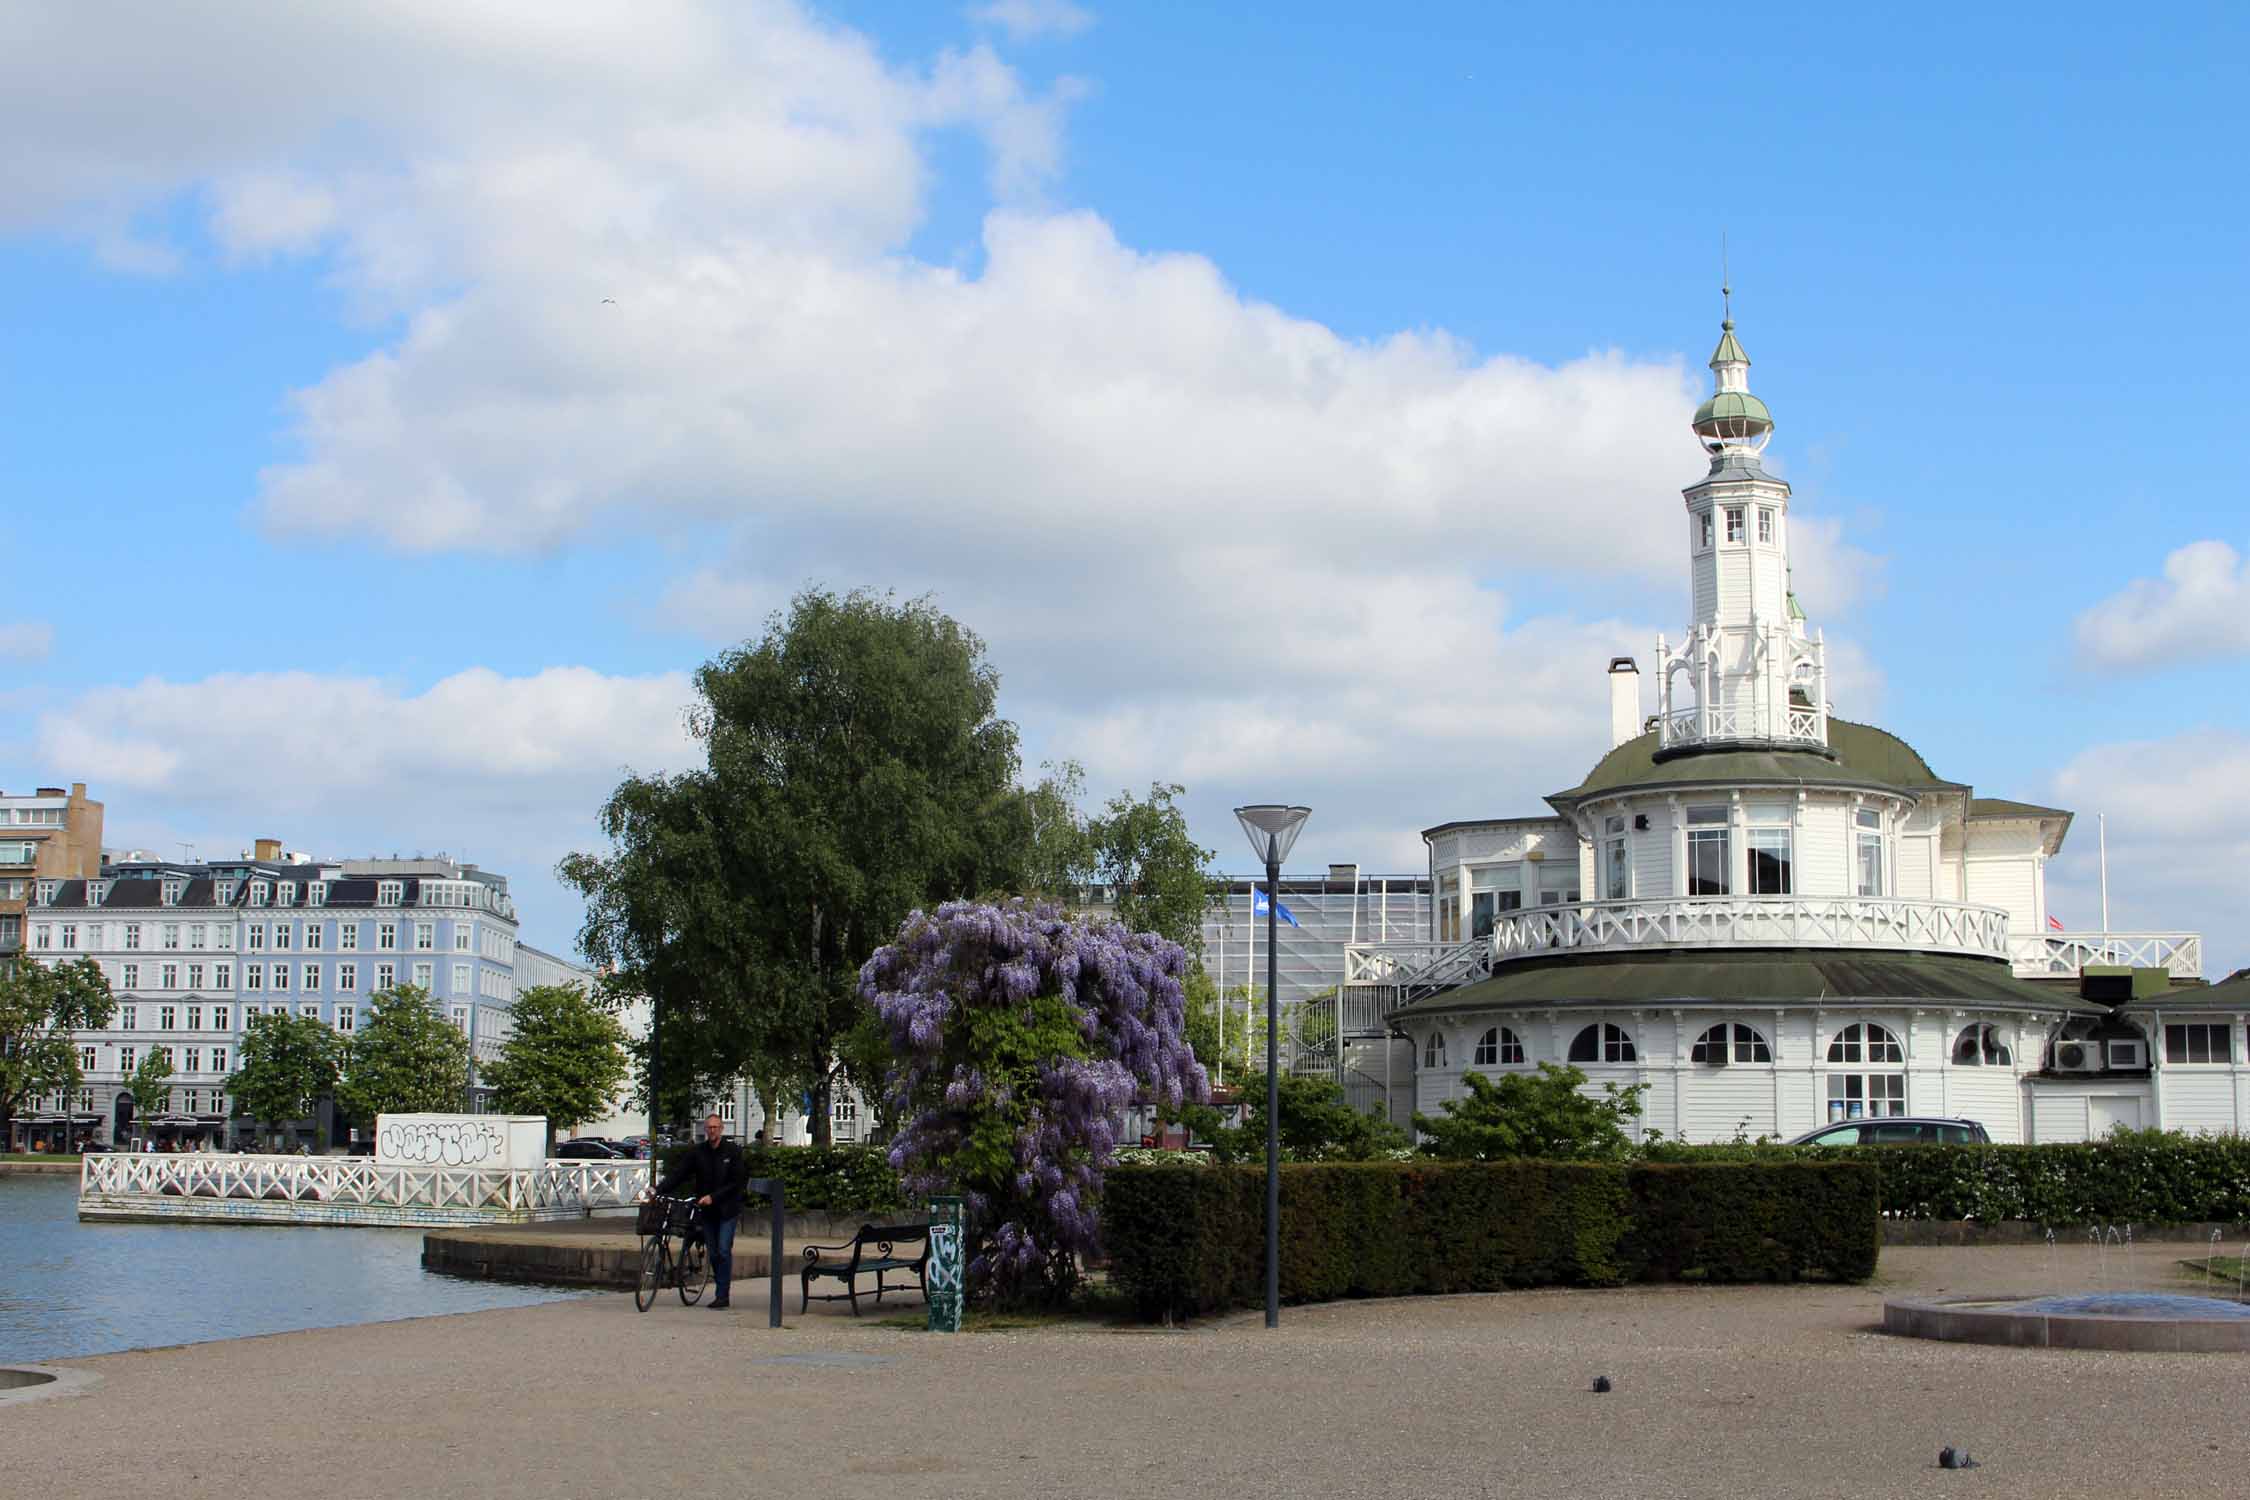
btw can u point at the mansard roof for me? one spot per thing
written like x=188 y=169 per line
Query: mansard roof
x=1860 y=755
x=1836 y=979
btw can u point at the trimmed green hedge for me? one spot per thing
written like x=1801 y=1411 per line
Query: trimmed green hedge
x=1191 y=1240
x=2145 y=1178
x=821 y=1179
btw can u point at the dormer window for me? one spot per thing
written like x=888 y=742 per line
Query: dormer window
x=46 y=892
x=222 y=892
x=316 y=894
x=169 y=892
x=287 y=894
x=97 y=893
x=389 y=892
x=258 y=890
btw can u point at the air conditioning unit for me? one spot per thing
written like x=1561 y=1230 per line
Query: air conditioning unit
x=2078 y=1057
x=2127 y=1054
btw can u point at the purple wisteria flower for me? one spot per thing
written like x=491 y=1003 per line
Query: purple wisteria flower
x=1022 y=1036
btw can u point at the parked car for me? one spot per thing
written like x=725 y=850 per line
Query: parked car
x=590 y=1148
x=1897 y=1130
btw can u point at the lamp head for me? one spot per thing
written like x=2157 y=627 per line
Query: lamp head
x=1271 y=828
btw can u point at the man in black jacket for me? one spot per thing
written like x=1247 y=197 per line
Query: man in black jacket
x=715 y=1166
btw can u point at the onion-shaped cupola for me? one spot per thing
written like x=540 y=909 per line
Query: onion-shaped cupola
x=1732 y=417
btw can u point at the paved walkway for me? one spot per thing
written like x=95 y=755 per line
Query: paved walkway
x=1720 y=1392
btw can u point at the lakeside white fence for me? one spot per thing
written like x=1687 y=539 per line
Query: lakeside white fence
x=346 y=1189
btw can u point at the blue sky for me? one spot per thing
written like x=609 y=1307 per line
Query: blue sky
x=356 y=523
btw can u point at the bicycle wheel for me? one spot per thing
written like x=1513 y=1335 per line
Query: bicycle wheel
x=654 y=1263
x=695 y=1271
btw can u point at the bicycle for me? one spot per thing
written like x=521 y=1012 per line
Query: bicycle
x=689 y=1271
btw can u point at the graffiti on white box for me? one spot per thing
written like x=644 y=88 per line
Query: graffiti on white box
x=463 y=1143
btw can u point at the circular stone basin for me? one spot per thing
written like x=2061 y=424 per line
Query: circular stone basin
x=2152 y=1321
x=16 y=1380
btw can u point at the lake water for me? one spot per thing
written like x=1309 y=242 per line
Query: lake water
x=68 y=1288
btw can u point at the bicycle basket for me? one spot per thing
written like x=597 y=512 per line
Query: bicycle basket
x=651 y=1216
x=683 y=1218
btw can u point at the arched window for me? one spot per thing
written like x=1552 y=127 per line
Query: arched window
x=1868 y=1043
x=1603 y=1043
x=1499 y=1048
x=1980 y=1046
x=1856 y=1095
x=1736 y=1043
x=1433 y=1050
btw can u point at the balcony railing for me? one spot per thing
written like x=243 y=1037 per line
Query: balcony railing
x=1752 y=922
x=412 y=1192
x=1692 y=726
x=2063 y=954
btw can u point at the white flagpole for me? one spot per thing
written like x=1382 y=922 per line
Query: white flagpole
x=2101 y=825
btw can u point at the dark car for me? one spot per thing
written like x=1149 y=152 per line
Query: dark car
x=590 y=1148
x=1897 y=1130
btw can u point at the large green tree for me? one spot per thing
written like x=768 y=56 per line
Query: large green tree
x=287 y=1065
x=40 y=1008
x=150 y=1083
x=405 y=1059
x=854 y=771
x=564 y=1058
x=1162 y=876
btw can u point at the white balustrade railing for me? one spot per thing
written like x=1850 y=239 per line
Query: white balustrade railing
x=1689 y=726
x=1752 y=922
x=1401 y=963
x=2064 y=954
x=359 y=1180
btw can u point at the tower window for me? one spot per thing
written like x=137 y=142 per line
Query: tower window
x=1765 y=524
x=1734 y=523
x=1705 y=519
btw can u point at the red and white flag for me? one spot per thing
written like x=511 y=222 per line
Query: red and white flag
x=2054 y=922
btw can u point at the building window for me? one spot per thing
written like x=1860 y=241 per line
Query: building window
x=224 y=936
x=169 y=977
x=1499 y=1048
x=461 y=932
x=253 y=976
x=1618 y=876
x=169 y=892
x=171 y=937
x=1710 y=853
x=191 y=1060
x=195 y=1018
x=1449 y=910
x=257 y=893
x=1853 y=1096
x=127 y=1058
x=1771 y=862
x=1731 y=1043
x=286 y=893
x=461 y=1018
x=312 y=976
x=312 y=935
x=316 y=894
x=195 y=936
x=132 y=936
x=1765 y=524
x=345 y=1017
x=425 y=936
x=1433 y=1050
x=284 y=936
x=43 y=935
x=1734 y=523
x=460 y=979
x=386 y=937
x=2198 y=1042
x=347 y=977
x=70 y=934
x=1703 y=535
x=423 y=978
x=195 y=976
x=222 y=1018
x=1868 y=1043
x=386 y=975
x=387 y=892
x=165 y=1017
x=222 y=893
x=1980 y=1046
x=257 y=937
x=281 y=976
x=1603 y=1043
x=129 y=976
x=218 y=1059
x=86 y=1059
x=347 y=937
x=309 y=1012
x=1869 y=825
x=128 y=1018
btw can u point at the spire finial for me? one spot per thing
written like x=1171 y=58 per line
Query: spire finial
x=1726 y=289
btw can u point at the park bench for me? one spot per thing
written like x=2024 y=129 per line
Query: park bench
x=875 y=1248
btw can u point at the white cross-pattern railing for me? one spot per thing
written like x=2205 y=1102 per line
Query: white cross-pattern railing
x=1752 y=922
x=2064 y=954
x=1690 y=726
x=359 y=1180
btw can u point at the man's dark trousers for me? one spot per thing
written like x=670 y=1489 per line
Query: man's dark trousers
x=718 y=1238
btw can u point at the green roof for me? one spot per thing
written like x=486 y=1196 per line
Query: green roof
x=1840 y=978
x=1729 y=406
x=1863 y=756
x=1729 y=349
x=2001 y=807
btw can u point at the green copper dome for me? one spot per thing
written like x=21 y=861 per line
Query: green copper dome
x=1731 y=407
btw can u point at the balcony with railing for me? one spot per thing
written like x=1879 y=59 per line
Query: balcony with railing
x=2063 y=955
x=1721 y=723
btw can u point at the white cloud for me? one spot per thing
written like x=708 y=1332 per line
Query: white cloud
x=2198 y=610
x=1023 y=19
x=2179 y=840
x=26 y=640
x=507 y=770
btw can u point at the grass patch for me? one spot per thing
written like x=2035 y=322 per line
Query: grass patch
x=2224 y=1271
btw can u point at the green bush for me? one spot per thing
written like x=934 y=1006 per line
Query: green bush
x=2139 y=1177
x=821 y=1179
x=1191 y=1240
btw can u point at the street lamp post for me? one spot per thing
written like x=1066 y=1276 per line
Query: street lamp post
x=1272 y=829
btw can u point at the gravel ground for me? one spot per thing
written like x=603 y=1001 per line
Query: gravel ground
x=1783 y=1391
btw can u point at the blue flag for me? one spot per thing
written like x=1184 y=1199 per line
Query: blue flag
x=1258 y=906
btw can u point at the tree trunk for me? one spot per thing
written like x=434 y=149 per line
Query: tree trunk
x=820 y=1125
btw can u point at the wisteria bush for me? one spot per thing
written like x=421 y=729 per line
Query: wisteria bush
x=1022 y=1035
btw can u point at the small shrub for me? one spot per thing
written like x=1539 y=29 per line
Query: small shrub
x=820 y=1179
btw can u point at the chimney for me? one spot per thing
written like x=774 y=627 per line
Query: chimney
x=1624 y=700
x=265 y=848
x=49 y=791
